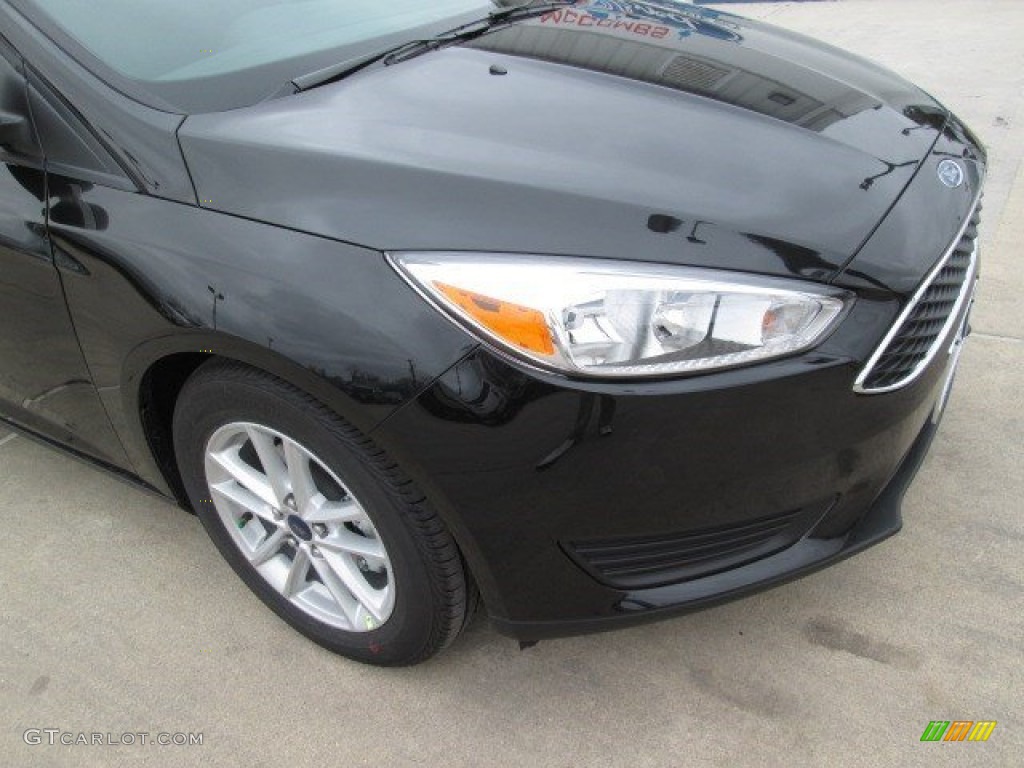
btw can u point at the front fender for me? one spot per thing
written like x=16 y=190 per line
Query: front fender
x=149 y=279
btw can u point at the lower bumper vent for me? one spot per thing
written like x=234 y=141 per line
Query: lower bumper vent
x=632 y=563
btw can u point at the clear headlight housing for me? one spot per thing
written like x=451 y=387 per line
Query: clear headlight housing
x=603 y=318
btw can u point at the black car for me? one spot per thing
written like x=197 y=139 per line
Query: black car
x=593 y=311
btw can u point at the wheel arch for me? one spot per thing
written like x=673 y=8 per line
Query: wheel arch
x=156 y=371
x=155 y=374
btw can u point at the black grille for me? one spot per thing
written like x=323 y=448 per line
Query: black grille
x=647 y=562
x=907 y=353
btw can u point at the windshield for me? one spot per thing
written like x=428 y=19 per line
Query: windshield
x=220 y=54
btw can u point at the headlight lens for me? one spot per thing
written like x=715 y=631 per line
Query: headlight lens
x=607 y=318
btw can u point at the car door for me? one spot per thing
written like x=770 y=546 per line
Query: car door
x=44 y=382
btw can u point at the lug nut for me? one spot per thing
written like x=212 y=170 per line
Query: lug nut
x=289 y=501
x=315 y=551
x=320 y=530
x=278 y=516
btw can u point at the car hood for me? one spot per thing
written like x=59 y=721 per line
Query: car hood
x=663 y=132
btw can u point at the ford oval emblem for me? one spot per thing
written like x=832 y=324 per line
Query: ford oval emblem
x=300 y=528
x=951 y=173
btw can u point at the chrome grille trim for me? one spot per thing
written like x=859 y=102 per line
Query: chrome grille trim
x=966 y=290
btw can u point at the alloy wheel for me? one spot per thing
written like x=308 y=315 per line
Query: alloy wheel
x=300 y=527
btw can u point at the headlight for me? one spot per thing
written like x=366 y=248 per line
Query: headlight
x=617 y=318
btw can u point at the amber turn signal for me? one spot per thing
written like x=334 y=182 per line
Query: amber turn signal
x=513 y=323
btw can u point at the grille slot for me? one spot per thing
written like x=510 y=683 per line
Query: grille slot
x=631 y=563
x=920 y=329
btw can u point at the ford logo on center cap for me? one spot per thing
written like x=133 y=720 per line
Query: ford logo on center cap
x=300 y=527
x=951 y=173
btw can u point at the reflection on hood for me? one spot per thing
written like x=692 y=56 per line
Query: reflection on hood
x=689 y=48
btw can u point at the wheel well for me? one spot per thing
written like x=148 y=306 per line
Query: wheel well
x=158 y=394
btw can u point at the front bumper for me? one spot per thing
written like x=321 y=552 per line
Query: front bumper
x=882 y=520
x=530 y=471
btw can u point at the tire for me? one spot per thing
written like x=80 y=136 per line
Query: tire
x=355 y=559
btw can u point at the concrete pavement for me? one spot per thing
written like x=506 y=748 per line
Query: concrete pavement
x=117 y=615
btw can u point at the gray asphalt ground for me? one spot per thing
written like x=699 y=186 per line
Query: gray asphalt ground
x=117 y=615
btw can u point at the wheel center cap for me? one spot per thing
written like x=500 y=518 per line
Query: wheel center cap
x=300 y=528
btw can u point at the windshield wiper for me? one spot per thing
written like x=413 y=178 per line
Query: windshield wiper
x=408 y=50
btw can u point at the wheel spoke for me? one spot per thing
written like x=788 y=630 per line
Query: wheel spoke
x=300 y=475
x=354 y=581
x=249 y=478
x=268 y=548
x=339 y=592
x=273 y=465
x=322 y=510
x=344 y=541
x=238 y=494
x=296 y=573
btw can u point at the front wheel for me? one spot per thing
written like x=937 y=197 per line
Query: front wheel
x=316 y=520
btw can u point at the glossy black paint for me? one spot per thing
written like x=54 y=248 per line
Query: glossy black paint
x=331 y=318
x=572 y=152
x=121 y=276
x=571 y=461
x=882 y=520
x=925 y=221
x=44 y=382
